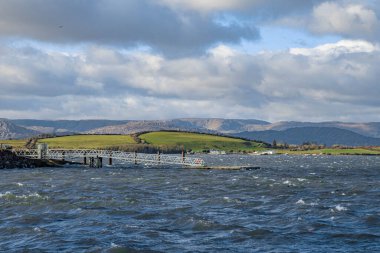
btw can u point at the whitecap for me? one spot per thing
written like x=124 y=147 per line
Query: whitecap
x=340 y=208
x=287 y=182
x=301 y=179
x=9 y=195
x=114 y=245
x=19 y=184
x=226 y=198
x=300 y=202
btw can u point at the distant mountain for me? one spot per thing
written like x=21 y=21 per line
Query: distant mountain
x=8 y=130
x=199 y=125
x=256 y=128
x=224 y=125
x=143 y=126
x=371 y=129
x=65 y=126
x=321 y=135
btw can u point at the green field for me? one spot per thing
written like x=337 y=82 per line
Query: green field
x=14 y=143
x=165 y=140
x=88 y=141
x=199 y=142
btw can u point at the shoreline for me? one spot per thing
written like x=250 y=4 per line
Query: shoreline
x=10 y=161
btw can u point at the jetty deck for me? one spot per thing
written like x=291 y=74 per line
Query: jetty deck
x=95 y=157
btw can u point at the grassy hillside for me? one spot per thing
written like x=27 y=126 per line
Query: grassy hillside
x=88 y=141
x=199 y=142
x=165 y=141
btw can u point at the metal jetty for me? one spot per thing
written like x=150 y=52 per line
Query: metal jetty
x=94 y=158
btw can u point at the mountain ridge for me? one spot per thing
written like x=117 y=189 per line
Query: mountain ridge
x=9 y=130
x=30 y=127
x=321 y=135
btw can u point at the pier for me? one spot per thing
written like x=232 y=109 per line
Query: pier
x=95 y=158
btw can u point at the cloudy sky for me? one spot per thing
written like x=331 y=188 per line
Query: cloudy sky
x=307 y=60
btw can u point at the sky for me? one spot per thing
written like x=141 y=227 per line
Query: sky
x=274 y=60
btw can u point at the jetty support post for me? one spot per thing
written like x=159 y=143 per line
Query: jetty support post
x=85 y=159
x=183 y=156
x=92 y=162
x=42 y=149
x=110 y=158
x=100 y=162
x=158 y=157
x=135 y=158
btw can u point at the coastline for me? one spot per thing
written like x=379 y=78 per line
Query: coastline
x=11 y=161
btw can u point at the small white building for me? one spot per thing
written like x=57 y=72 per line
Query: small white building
x=217 y=152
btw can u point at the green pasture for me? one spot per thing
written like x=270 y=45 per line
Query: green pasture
x=200 y=142
x=88 y=141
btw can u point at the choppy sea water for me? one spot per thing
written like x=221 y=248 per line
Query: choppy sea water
x=292 y=204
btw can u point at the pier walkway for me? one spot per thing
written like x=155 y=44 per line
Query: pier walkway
x=94 y=158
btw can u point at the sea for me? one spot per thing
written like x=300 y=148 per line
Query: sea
x=291 y=204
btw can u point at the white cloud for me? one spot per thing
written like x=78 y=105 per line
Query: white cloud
x=345 y=19
x=332 y=81
x=350 y=19
x=336 y=49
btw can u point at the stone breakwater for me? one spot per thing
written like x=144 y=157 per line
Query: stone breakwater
x=9 y=160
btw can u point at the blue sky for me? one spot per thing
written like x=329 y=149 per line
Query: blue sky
x=157 y=59
x=278 y=38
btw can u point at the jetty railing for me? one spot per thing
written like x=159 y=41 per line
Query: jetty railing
x=132 y=157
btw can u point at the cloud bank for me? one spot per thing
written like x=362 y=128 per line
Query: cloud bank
x=168 y=58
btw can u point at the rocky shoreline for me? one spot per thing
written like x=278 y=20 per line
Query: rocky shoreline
x=9 y=160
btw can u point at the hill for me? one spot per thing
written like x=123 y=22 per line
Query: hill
x=65 y=126
x=200 y=142
x=370 y=129
x=88 y=141
x=321 y=135
x=150 y=142
x=8 y=130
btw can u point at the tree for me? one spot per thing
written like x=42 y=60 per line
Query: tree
x=274 y=144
